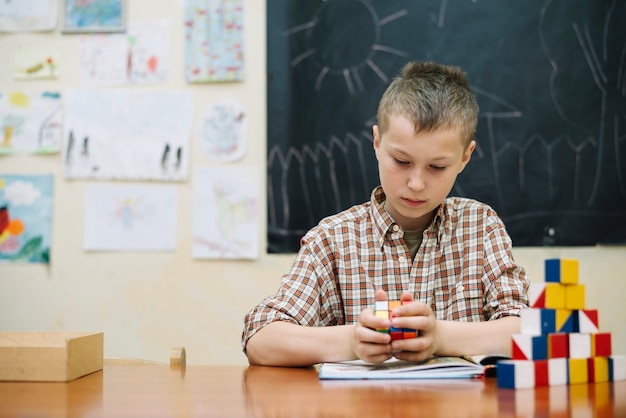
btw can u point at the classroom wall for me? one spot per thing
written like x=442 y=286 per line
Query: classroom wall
x=147 y=302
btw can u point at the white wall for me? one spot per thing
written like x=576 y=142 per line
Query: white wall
x=146 y=303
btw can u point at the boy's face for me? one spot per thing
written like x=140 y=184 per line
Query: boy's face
x=417 y=171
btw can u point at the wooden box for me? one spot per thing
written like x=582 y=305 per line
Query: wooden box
x=49 y=356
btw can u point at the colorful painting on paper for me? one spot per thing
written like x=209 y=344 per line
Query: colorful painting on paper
x=225 y=213
x=140 y=56
x=30 y=122
x=25 y=218
x=127 y=135
x=214 y=40
x=121 y=217
x=28 y=15
x=94 y=16
x=33 y=62
x=222 y=131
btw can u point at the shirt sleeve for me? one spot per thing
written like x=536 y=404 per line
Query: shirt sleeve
x=505 y=282
x=308 y=294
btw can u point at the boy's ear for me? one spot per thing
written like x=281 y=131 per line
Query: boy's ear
x=467 y=155
x=376 y=134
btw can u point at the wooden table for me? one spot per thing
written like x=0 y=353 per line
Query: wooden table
x=238 y=391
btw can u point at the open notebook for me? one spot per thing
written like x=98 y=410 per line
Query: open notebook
x=469 y=367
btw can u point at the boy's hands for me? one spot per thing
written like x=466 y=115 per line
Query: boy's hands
x=374 y=347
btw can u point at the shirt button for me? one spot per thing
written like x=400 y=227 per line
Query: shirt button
x=460 y=288
x=402 y=259
x=395 y=228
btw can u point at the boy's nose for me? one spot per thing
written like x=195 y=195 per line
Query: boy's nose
x=416 y=180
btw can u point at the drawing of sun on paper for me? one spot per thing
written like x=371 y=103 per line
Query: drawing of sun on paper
x=222 y=130
x=25 y=218
x=130 y=217
x=225 y=213
x=127 y=135
x=30 y=122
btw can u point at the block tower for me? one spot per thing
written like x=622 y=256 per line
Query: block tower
x=560 y=341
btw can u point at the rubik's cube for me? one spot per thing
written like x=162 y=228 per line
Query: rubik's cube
x=383 y=309
x=560 y=342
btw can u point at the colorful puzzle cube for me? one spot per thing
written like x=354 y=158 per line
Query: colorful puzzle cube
x=384 y=309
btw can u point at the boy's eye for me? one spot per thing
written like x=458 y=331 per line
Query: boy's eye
x=400 y=162
x=438 y=167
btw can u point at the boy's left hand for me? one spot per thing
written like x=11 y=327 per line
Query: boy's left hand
x=419 y=316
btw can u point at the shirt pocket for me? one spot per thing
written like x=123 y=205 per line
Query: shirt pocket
x=461 y=301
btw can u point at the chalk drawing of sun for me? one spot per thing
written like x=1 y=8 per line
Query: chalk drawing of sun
x=345 y=47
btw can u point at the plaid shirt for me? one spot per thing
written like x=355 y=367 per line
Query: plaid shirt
x=463 y=269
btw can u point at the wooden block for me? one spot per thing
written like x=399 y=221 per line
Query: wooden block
x=529 y=347
x=557 y=371
x=579 y=345
x=546 y=295
x=577 y=370
x=566 y=320
x=598 y=369
x=178 y=356
x=564 y=270
x=588 y=321
x=601 y=344
x=575 y=296
x=617 y=368
x=541 y=373
x=535 y=321
x=49 y=356
x=558 y=345
x=516 y=374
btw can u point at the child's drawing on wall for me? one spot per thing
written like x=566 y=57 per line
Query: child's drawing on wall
x=222 y=131
x=225 y=213
x=25 y=218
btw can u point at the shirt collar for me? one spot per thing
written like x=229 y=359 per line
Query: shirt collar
x=383 y=222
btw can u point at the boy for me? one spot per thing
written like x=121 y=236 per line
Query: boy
x=450 y=258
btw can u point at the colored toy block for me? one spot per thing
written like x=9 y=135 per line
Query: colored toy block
x=617 y=368
x=384 y=309
x=546 y=295
x=566 y=320
x=557 y=371
x=598 y=369
x=564 y=270
x=575 y=296
x=579 y=345
x=578 y=370
x=536 y=321
x=558 y=345
x=516 y=374
x=601 y=344
x=541 y=373
x=529 y=347
x=587 y=320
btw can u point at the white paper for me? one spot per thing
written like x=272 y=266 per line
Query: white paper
x=130 y=217
x=225 y=213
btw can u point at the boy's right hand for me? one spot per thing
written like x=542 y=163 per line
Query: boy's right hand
x=368 y=344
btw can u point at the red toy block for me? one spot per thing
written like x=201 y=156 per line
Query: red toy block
x=588 y=321
x=541 y=373
x=558 y=345
x=601 y=344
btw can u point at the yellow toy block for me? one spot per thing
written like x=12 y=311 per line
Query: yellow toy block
x=578 y=370
x=598 y=368
x=575 y=296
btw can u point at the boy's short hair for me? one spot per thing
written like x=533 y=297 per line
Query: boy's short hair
x=433 y=96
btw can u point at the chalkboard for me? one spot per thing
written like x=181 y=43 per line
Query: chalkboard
x=549 y=76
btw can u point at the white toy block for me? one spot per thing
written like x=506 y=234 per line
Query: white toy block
x=588 y=321
x=579 y=345
x=617 y=368
x=536 y=321
x=557 y=371
x=516 y=374
x=546 y=295
x=529 y=347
